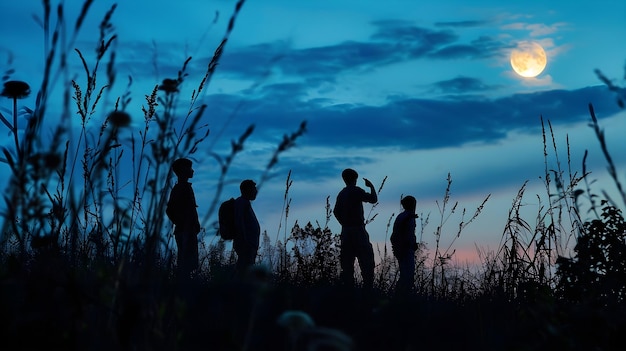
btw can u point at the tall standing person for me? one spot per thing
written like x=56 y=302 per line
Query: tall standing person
x=355 y=241
x=404 y=244
x=182 y=211
x=248 y=230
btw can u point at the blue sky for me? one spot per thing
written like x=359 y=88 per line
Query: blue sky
x=408 y=90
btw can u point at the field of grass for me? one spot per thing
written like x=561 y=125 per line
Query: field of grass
x=86 y=263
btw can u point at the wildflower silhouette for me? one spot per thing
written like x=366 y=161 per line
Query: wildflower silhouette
x=16 y=90
x=169 y=86
x=119 y=119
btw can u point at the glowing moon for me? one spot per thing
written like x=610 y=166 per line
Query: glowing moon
x=528 y=59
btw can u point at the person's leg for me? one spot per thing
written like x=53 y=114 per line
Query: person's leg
x=246 y=257
x=184 y=261
x=347 y=257
x=410 y=270
x=194 y=259
x=366 y=259
x=406 y=266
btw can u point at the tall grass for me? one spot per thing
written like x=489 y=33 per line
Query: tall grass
x=110 y=213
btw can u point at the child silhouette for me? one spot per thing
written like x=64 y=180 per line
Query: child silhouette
x=181 y=209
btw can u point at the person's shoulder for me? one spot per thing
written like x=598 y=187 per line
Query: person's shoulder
x=185 y=187
x=358 y=189
x=406 y=215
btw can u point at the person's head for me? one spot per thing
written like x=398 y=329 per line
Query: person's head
x=182 y=168
x=349 y=176
x=409 y=203
x=248 y=189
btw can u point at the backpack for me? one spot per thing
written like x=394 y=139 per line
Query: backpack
x=226 y=218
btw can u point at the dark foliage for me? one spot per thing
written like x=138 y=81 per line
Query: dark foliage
x=598 y=271
x=50 y=302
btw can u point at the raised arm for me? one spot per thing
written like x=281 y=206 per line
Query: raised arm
x=370 y=197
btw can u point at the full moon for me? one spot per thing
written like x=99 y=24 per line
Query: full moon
x=528 y=59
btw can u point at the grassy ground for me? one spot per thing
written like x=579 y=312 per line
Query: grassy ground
x=49 y=302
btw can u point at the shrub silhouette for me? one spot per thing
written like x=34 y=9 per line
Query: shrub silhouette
x=316 y=253
x=597 y=272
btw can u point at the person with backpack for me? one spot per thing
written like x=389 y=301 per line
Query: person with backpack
x=182 y=211
x=355 y=241
x=247 y=228
x=404 y=244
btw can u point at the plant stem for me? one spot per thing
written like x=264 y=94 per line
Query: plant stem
x=18 y=150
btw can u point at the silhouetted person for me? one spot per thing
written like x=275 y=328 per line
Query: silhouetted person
x=246 y=241
x=182 y=211
x=404 y=244
x=355 y=241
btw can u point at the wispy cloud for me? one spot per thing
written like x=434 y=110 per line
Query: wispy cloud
x=462 y=24
x=462 y=85
x=393 y=42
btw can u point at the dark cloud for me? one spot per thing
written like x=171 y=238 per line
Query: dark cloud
x=255 y=61
x=320 y=167
x=392 y=42
x=462 y=85
x=414 y=123
x=408 y=34
x=322 y=64
x=337 y=58
x=458 y=51
x=461 y=116
x=482 y=47
x=461 y=24
x=286 y=92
